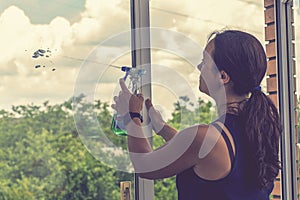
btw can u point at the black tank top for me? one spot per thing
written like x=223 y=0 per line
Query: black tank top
x=236 y=185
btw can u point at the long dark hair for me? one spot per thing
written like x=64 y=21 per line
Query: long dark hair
x=242 y=56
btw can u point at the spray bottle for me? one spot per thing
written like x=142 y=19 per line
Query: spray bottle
x=135 y=75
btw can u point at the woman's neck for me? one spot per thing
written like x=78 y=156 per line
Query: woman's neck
x=232 y=105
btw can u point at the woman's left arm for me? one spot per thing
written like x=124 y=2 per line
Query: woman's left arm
x=178 y=154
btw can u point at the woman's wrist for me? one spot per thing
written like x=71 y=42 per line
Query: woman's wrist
x=161 y=131
x=136 y=115
x=160 y=127
x=130 y=116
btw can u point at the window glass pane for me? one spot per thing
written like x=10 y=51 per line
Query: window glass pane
x=45 y=47
x=195 y=20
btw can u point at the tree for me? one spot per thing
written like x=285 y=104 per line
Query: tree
x=42 y=156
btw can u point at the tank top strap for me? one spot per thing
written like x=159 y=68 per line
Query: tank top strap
x=227 y=141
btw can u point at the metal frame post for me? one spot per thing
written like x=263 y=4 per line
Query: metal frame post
x=141 y=57
x=286 y=98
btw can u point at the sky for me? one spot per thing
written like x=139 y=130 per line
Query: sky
x=42 y=12
x=71 y=30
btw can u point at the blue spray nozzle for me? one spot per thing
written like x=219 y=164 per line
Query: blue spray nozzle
x=127 y=70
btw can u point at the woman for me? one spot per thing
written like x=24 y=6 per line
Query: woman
x=234 y=157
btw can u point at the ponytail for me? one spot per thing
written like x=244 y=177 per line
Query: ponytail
x=263 y=129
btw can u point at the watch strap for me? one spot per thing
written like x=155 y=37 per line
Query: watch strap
x=129 y=116
x=135 y=114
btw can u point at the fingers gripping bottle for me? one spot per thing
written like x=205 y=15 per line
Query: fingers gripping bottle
x=118 y=125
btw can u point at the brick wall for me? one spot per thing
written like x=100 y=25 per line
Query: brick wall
x=270 y=38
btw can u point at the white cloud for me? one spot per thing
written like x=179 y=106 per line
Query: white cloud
x=101 y=19
x=14 y=32
x=208 y=16
x=62 y=32
x=20 y=82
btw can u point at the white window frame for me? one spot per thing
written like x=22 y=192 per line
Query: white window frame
x=286 y=95
x=141 y=56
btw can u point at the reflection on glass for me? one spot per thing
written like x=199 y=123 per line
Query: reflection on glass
x=43 y=46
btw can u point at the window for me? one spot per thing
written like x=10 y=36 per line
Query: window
x=45 y=44
x=53 y=51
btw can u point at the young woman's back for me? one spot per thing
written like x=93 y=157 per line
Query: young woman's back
x=237 y=185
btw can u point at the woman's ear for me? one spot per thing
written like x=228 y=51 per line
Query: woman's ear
x=225 y=77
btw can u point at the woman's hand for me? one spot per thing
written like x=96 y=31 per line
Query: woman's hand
x=126 y=101
x=157 y=121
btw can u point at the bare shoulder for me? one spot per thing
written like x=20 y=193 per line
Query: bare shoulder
x=214 y=160
x=205 y=133
x=195 y=137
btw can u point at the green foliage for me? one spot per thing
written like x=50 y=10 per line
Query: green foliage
x=42 y=156
x=183 y=116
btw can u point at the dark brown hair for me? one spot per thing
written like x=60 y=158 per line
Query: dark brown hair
x=242 y=56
